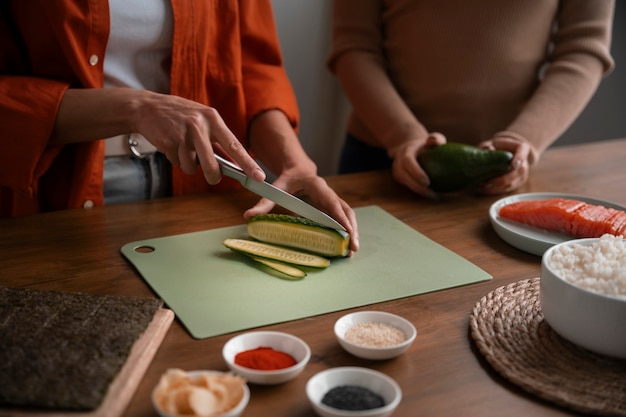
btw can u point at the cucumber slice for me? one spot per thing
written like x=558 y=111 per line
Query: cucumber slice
x=299 y=233
x=291 y=271
x=277 y=253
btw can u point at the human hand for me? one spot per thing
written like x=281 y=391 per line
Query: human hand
x=316 y=191
x=189 y=133
x=407 y=170
x=520 y=167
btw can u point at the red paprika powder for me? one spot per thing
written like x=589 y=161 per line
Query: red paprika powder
x=264 y=359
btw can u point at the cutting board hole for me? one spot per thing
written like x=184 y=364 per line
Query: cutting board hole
x=144 y=249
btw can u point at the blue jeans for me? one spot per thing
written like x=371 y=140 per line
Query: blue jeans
x=357 y=156
x=128 y=179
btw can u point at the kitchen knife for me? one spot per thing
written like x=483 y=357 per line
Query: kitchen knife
x=278 y=196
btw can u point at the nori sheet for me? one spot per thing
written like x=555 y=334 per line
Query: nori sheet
x=62 y=350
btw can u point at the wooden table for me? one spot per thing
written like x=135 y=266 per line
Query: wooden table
x=442 y=374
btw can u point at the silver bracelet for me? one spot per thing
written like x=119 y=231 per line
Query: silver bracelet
x=132 y=145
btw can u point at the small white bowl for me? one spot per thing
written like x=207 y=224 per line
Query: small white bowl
x=592 y=320
x=233 y=412
x=283 y=342
x=368 y=352
x=375 y=381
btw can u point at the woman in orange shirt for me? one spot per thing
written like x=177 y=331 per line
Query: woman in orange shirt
x=187 y=78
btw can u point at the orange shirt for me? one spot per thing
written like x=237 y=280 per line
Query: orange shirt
x=225 y=54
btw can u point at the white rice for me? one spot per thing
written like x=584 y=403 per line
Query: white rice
x=599 y=268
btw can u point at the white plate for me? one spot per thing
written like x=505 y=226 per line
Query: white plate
x=531 y=239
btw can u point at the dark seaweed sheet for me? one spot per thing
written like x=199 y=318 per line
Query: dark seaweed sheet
x=62 y=350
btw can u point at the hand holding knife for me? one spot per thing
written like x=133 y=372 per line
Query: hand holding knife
x=278 y=196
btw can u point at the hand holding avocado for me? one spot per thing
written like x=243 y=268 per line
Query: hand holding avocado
x=496 y=166
x=523 y=157
x=455 y=167
x=405 y=167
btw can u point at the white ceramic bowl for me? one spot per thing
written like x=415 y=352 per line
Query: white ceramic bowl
x=283 y=342
x=234 y=412
x=375 y=381
x=592 y=320
x=368 y=352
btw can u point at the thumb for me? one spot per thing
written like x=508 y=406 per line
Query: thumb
x=263 y=206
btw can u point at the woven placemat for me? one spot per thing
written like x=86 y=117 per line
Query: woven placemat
x=509 y=330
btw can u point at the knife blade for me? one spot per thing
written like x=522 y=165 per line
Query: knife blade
x=278 y=196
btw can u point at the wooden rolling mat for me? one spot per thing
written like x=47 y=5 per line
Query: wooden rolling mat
x=77 y=354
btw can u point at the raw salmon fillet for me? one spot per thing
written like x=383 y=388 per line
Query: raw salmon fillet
x=572 y=217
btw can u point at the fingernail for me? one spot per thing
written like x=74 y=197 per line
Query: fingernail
x=258 y=174
x=355 y=241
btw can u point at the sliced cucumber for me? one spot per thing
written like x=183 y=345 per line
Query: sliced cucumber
x=277 y=253
x=288 y=270
x=299 y=233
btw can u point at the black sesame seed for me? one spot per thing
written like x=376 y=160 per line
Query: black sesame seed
x=351 y=397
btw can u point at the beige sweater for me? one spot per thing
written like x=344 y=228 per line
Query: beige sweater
x=469 y=69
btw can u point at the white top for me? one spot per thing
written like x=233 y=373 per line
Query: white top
x=138 y=55
x=139 y=48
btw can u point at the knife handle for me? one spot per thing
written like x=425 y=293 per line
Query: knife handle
x=230 y=169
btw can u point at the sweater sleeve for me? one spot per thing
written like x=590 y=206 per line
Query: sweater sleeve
x=579 y=59
x=379 y=111
x=356 y=26
x=266 y=84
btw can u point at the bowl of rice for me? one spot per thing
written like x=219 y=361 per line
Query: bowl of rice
x=583 y=293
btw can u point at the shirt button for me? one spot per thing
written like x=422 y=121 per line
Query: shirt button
x=93 y=60
x=88 y=204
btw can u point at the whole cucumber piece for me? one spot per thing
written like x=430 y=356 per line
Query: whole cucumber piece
x=456 y=166
x=298 y=233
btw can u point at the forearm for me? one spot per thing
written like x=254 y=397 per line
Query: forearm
x=579 y=59
x=91 y=114
x=183 y=130
x=274 y=142
x=375 y=100
x=553 y=107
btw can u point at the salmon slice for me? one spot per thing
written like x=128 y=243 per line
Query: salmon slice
x=553 y=214
x=572 y=217
x=618 y=221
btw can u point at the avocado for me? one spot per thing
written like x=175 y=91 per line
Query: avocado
x=455 y=166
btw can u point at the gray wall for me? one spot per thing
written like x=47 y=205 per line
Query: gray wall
x=304 y=28
x=304 y=31
x=605 y=115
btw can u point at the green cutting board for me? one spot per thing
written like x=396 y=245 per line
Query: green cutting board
x=214 y=291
